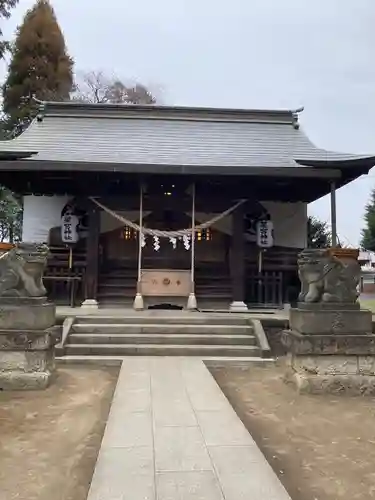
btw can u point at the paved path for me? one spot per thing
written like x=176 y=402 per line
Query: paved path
x=172 y=435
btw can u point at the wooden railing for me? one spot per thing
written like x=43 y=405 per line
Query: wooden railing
x=275 y=281
x=273 y=259
x=63 y=279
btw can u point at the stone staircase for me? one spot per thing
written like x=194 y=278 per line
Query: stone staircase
x=162 y=334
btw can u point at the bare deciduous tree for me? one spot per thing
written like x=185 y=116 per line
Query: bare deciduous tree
x=96 y=87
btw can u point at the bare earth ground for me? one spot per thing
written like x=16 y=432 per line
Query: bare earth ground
x=321 y=447
x=49 y=440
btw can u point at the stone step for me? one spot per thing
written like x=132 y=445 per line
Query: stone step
x=118 y=293
x=211 y=361
x=117 y=286
x=161 y=328
x=160 y=338
x=160 y=350
x=160 y=317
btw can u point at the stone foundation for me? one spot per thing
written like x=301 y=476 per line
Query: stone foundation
x=330 y=344
x=329 y=319
x=27 y=345
x=330 y=363
x=16 y=380
x=22 y=314
x=353 y=385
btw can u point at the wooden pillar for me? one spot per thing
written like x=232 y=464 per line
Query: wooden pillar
x=92 y=256
x=333 y=214
x=237 y=260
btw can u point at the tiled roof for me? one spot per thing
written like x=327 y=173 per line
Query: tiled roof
x=72 y=132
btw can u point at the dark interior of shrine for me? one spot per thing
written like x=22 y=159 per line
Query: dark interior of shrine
x=286 y=188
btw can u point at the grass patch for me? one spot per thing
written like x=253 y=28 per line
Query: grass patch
x=368 y=304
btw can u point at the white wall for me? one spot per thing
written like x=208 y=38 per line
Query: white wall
x=290 y=223
x=289 y=219
x=40 y=214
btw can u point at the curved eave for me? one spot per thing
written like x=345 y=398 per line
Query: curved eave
x=16 y=155
x=360 y=162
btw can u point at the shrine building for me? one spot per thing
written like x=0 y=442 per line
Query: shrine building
x=171 y=206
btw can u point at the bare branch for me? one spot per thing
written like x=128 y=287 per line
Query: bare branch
x=96 y=87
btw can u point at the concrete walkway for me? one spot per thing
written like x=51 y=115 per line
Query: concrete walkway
x=172 y=435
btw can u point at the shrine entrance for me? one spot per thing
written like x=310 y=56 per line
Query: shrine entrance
x=165 y=262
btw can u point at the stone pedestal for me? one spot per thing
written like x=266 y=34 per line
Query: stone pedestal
x=330 y=343
x=330 y=363
x=27 y=321
x=27 y=344
x=238 y=306
x=329 y=319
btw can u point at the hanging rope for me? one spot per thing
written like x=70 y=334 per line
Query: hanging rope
x=168 y=234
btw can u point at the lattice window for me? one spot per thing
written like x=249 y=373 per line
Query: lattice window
x=204 y=235
x=129 y=233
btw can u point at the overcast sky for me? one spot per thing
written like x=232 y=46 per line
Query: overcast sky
x=244 y=53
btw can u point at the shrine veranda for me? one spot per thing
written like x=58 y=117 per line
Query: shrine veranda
x=171 y=206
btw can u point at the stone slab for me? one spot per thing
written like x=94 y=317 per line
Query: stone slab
x=126 y=430
x=328 y=306
x=146 y=455
x=349 y=384
x=124 y=473
x=29 y=340
x=200 y=485
x=27 y=361
x=23 y=317
x=300 y=344
x=324 y=365
x=19 y=380
x=173 y=412
x=232 y=465
x=330 y=322
x=213 y=423
x=180 y=449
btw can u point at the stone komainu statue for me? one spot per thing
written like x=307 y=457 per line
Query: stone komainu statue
x=327 y=278
x=21 y=271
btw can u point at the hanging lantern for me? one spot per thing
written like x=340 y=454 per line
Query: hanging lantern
x=69 y=226
x=265 y=233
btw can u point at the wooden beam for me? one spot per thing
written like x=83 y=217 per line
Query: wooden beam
x=237 y=256
x=92 y=252
x=333 y=215
x=178 y=170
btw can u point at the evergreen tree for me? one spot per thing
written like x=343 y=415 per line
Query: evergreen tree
x=368 y=233
x=318 y=233
x=10 y=217
x=5 y=7
x=40 y=67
